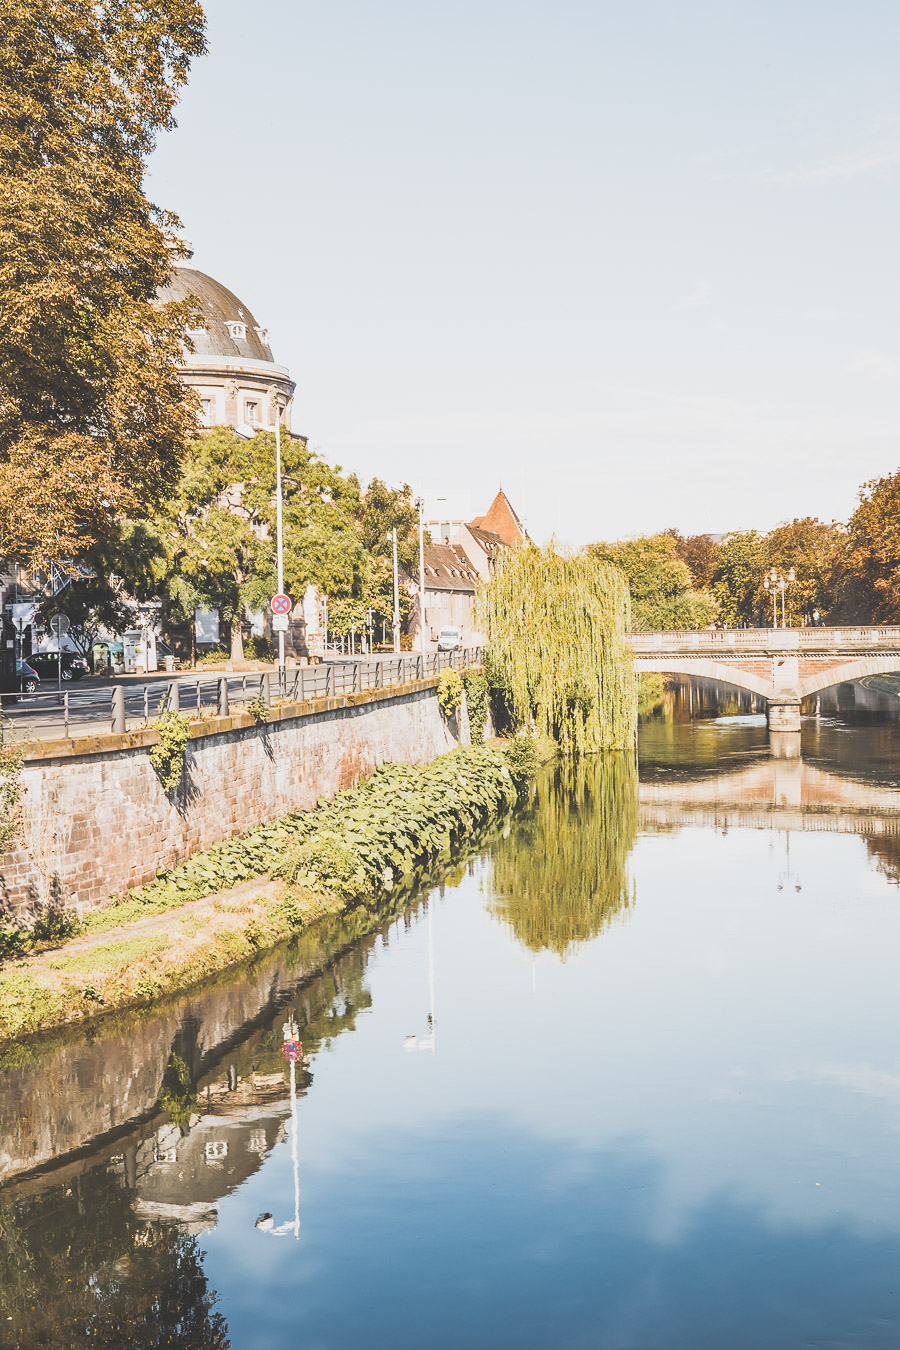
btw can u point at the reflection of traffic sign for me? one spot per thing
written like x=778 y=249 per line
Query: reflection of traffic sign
x=280 y=623
x=281 y=604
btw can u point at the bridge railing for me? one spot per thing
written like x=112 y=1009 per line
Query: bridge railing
x=721 y=641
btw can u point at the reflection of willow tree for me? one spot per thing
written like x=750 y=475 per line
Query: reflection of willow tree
x=561 y=876
x=78 y=1269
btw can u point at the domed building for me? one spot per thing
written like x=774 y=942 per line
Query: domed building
x=231 y=366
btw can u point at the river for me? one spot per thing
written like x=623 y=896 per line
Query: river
x=627 y=1077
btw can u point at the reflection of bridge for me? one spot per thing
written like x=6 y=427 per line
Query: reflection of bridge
x=783 y=666
x=773 y=794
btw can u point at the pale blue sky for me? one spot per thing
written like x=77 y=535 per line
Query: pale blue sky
x=637 y=260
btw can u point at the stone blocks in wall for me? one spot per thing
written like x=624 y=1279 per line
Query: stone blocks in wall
x=97 y=823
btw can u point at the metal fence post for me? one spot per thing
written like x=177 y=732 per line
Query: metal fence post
x=223 y=696
x=329 y=679
x=173 y=697
x=378 y=673
x=118 y=710
x=356 y=677
x=420 y=667
x=66 y=712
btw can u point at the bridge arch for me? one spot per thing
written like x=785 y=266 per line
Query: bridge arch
x=853 y=669
x=703 y=668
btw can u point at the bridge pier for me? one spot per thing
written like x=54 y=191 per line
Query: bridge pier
x=783 y=714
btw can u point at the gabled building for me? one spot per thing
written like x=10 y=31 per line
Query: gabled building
x=501 y=519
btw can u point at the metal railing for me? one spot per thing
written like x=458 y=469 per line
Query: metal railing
x=128 y=706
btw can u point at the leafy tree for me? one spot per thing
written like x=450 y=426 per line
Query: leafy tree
x=93 y=414
x=90 y=605
x=867 y=571
x=218 y=528
x=737 y=583
x=662 y=595
x=812 y=548
x=699 y=551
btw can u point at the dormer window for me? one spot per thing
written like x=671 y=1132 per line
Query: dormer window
x=263 y=335
x=237 y=330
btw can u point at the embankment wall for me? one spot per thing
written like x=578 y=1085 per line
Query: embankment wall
x=96 y=821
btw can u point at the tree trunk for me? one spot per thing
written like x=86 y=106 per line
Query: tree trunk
x=237 y=640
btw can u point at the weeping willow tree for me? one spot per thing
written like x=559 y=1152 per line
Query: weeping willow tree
x=556 y=631
x=561 y=876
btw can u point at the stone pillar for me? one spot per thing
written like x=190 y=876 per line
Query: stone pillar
x=783 y=714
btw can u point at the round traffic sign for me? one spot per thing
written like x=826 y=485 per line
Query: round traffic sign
x=281 y=604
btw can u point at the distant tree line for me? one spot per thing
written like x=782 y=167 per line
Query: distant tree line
x=844 y=573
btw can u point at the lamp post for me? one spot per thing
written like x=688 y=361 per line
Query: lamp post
x=420 y=507
x=396 y=621
x=776 y=581
x=279 y=534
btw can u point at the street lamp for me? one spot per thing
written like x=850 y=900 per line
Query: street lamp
x=775 y=582
x=279 y=536
x=396 y=621
x=420 y=507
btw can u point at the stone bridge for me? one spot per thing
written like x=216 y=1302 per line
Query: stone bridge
x=783 y=666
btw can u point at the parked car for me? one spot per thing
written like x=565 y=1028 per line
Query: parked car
x=74 y=667
x=449 y=640
x=29 y=680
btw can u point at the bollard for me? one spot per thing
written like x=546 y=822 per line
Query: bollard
x=223 y=697
x=118 y=710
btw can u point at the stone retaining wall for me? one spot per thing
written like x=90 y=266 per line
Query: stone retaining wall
x=95 y=820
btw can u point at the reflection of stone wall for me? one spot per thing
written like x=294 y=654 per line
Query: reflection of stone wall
x=97 y=823
x=228 y=1035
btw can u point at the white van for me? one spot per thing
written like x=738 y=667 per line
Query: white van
x=449 y=640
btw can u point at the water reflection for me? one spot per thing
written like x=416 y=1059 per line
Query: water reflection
x=685 y=1135
x=560 y=876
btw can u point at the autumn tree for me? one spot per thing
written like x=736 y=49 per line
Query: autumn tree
x=699 y=551
x=867 y=572
x=662 y=593
x=93 y=414
x=812 y=548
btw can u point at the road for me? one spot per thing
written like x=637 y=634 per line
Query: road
x=85 y=707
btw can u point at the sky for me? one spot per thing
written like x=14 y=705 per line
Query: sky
x=636 y=262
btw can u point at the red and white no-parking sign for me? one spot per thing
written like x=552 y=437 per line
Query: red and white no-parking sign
x=281 y=604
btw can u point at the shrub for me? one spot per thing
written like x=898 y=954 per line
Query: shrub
x=167 y=756
x=214 y=657
x=258 y=708
x=259 y=648
x=450 y=691
x=522 y=760
x=325 y=863
x=56 y=923
x=476 y=703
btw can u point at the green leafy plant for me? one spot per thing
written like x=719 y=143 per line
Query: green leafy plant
x=522 y=760
x=214 y=657
x=56 y=923
x=450 y=691
x=476 y=703
x=167 y=756
x=259 y=648
x=325 y=863
x=400 y=819
x=258 y=708
x=12 y=758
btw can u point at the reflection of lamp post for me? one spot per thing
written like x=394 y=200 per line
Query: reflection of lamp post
x=427 y=1042
x=776 y=582
x=293 y=1051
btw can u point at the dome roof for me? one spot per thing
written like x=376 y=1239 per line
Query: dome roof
x=232 y=332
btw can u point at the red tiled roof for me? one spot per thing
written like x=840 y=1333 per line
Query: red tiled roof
x=502 y=520
x=447 y=568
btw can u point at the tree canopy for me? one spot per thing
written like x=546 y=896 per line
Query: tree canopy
x=556 y=629
x=660 y=582
x=93 y=414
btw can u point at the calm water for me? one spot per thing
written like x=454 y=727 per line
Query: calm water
x=629 y=1078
